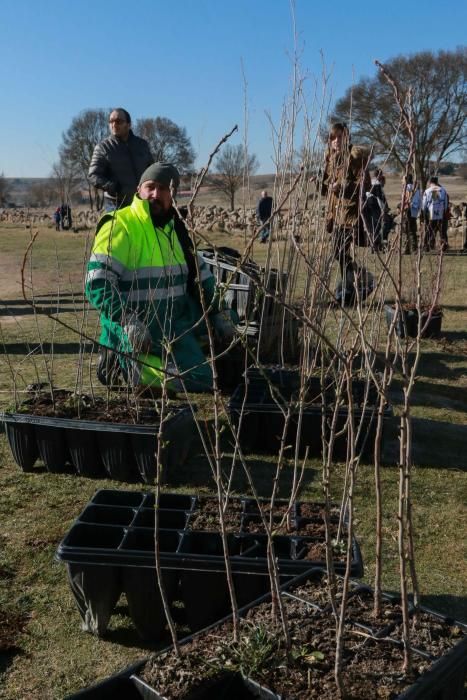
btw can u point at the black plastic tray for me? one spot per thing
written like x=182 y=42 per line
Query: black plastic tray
x=407 y=323
x=110 y=550
x=444 y=680
x=117 y=528
x=259 y=406
x=121 y=451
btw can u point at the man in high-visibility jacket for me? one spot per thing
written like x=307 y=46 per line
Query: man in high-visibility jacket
x=146 y=282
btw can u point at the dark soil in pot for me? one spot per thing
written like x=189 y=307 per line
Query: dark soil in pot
x=373 y=656
x=65 y=404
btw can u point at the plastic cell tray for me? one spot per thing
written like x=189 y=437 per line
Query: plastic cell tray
x=260 y=407
x=124 y=452
x=444 y=680
x=407 y=323
x=110 y=549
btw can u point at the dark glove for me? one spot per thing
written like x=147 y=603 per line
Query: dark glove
x=111 y=188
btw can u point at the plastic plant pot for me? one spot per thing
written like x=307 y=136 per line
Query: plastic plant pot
x=444 y=679
x=406 y=324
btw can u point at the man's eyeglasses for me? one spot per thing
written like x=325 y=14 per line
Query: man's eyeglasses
x=117 y=121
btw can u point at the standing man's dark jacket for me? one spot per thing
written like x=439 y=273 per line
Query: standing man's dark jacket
x=264 y=208
x=116 y=166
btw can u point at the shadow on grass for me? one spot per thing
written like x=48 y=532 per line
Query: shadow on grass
x=440 y=396
x=436 y=444
x=56 y=348
x=449 y=605
x=7 y=657
x=52 y=299
x=197 y=473
x=452 y=336
x=452 y=607
x=438 y=365
x=26 y=310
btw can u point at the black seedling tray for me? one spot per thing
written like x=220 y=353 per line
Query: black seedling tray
x=121 y=451
x=117 y=528
x=259 y=406
x=110 y=549
x=444 y=680
x=407 y=322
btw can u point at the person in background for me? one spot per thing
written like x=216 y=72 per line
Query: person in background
x=57 y=218
x=65 y=217
x=118 y=161
x=435 y=207
x=383 y=220
x=263 y=212
x=345 y=182
x=146 y=282
x=410 y=209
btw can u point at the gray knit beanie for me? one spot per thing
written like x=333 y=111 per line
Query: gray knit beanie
x=164 y=173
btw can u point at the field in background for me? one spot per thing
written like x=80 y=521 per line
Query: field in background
x=43 y=653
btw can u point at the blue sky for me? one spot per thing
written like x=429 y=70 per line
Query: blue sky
x=186 y=60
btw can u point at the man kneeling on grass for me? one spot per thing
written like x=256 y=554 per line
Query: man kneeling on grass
x=145 y=281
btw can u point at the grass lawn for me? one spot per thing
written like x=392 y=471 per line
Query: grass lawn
x=43 y=652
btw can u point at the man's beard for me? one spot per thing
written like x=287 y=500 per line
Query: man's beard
x=159 y=216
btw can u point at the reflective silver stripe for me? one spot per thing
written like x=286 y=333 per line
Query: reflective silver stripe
x=155 y=272
x=108 y=275
x=139 y=295
x=108 y=260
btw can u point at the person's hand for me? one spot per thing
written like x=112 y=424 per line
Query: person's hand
x=138 y=334
x=224 y=327
x=111 y=188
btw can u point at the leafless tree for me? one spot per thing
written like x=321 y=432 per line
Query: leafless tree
x=436 y=83
x=168 y=142
x=230 y=166
x=65 y=179
x=78 y=142
x=43 y=193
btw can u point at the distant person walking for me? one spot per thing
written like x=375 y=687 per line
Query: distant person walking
x=410 y=209
x=435 y=206
x=119 y=161
x=263 y=212
x=57 y=218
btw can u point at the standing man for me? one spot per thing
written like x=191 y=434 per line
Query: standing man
x=146 y=282
x=118 y=161
x=411 y=203
x=263 y=212
x=345 y=183
x=435 y=207
x=383 y=221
